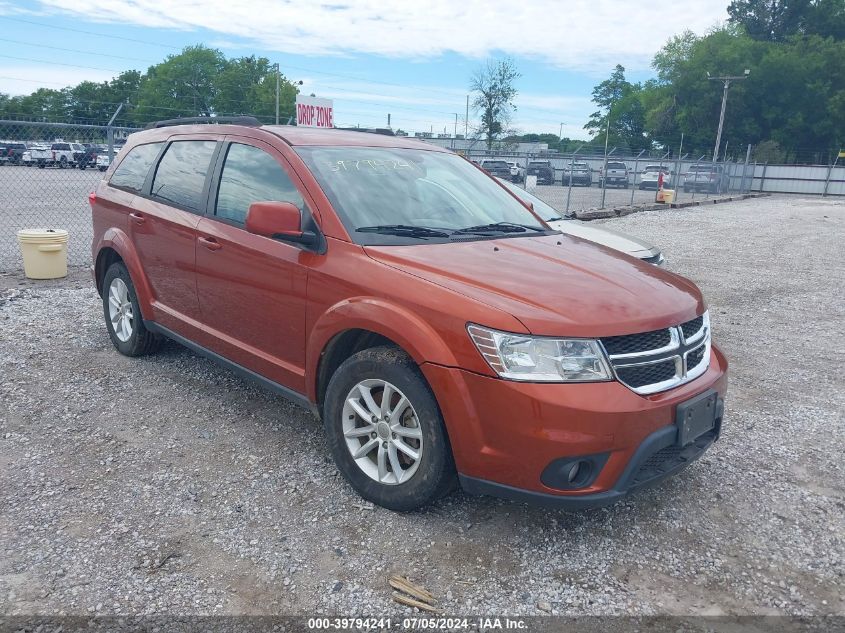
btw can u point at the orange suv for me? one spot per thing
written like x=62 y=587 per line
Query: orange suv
x=442 y=331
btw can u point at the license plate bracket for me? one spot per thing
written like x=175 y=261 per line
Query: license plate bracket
x=696 y=416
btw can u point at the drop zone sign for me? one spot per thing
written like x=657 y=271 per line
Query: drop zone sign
x=314 y=112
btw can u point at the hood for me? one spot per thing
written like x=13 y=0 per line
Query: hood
x=556 y=285
x=606 y=237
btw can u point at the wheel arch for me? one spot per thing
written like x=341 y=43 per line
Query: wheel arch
x=353 y=325
x=116 y=246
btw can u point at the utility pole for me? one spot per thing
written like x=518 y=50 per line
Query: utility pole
x=466 y=121
x=277 y=93
x=560 y=133
x=727 y=84
x=456 y=125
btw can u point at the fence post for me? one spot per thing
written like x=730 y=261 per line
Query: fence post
x=829 y=172
x=763 y=177
x=634 y=184
x=744 y=167
x=571 y=167
x=110 y=132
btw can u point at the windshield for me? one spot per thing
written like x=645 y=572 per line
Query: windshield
x=545 y=211
x=399 y=196
x=616 y=166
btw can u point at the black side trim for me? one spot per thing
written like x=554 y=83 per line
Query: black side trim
x=570 y=502
x=240 y=370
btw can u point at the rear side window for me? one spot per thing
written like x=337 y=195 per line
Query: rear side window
x=132 y=171
x=181 y=173
x=251 y=175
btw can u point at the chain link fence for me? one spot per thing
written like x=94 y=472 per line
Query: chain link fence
x=47 y=171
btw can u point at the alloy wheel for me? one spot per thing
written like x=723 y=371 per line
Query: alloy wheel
x=120 y=309
x=382 y=432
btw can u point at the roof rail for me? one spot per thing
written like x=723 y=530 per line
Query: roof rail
x=250 y=121
x=386 y=131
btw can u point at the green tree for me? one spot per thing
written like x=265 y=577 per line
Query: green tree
x=494 y=89
x=620 y=101
x=183 y=85
x=778 y=20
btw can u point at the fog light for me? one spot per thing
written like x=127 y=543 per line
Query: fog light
x=573 y=472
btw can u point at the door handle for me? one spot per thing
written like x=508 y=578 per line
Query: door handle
x=137 y=218
x=210 y=243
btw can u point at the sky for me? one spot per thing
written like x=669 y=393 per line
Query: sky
x=412 y=60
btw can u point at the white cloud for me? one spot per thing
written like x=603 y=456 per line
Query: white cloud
x=581 y=35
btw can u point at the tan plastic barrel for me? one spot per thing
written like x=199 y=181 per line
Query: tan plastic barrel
x=44 y=253
x=668 y=196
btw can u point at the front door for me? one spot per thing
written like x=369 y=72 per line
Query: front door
x=252 y=289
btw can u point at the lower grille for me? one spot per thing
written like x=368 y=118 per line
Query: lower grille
x=695 y=357
x=671 y=458
x=639 y=376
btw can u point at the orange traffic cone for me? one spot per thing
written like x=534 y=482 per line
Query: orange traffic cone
x=658 y=195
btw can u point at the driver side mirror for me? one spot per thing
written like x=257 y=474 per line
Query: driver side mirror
x=278 y=220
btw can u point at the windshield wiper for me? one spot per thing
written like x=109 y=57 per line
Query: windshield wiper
x=403 y=230
x=498 y=227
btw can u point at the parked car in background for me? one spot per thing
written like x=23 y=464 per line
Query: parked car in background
x=543 y=170
x=707 y=177
x=59 y=154
x=89 y=157
x=582 y=174
x=651 y=176
x=11 y=153
x=498 y=168
x=617 y=175
x=27 y=158
x=517 y=171
x=568 y=224
x=441 y=331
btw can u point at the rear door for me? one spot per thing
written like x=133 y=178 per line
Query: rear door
x=252 y=289
x=163 y=223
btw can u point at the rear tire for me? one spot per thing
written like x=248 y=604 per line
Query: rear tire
x=367 y=449
x=123 y=314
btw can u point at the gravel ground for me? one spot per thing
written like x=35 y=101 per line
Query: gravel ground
x=167 y=485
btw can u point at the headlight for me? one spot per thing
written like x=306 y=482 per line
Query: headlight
x=540 y=359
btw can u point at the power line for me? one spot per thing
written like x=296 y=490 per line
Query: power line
x=72 y=30
x=52 y=63
x=74 y=50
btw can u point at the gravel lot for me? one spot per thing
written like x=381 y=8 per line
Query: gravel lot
x=167 y=485
x=58 y=198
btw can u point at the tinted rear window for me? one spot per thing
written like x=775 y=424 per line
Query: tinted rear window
x=180 y=177
x=132 y=171
x=617 y=166
x=538 y=164
x=497 y=164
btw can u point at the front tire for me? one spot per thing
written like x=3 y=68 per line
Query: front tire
x=385 y=430
x=123 y=314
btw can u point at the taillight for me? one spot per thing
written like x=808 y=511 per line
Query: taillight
x=54 y=155
x=92 y=198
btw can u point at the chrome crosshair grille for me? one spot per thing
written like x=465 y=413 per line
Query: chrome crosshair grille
x=655 y=361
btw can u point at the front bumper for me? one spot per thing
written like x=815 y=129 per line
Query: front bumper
x=504 y=434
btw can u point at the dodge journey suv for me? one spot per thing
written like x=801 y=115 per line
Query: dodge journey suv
x=404 y=296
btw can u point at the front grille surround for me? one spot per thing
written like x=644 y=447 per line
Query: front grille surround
x=643 y=363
